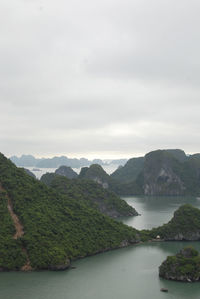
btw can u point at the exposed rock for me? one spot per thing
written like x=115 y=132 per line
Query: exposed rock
x=184 y=226
x=96 y=173
x=160 y=172
x=159 y=175
x=185 y=266
x=60 y=267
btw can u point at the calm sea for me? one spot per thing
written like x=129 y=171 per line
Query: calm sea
x=128 y=273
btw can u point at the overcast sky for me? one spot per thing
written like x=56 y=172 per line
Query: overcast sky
x=106 y=78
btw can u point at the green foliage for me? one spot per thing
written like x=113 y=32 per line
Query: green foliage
x=129 y=172
x=182 y=267
x=182 y=175
x=91 y=193
x=11 y=256
x=56 y=226
x=186 y=220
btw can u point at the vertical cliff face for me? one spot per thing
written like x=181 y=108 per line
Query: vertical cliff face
x=160 y=174
x=96 y=173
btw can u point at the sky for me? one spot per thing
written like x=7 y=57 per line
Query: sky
x=99 y=79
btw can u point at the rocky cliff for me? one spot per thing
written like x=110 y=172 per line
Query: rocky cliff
x=184 y=226
x=184 y=266
x=159 y=173
x=96 y=173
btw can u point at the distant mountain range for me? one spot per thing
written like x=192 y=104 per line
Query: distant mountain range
x=45 y=227
x=31 y=161
x=161 y=172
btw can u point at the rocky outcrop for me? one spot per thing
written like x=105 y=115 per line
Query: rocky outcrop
x=66 y=171
x=184 y=266
x=159 y=175
x=60 y=267
x=184 y=226
x=96 y=173
x=185 y=236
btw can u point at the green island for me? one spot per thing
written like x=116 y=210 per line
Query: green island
x=50 y=229
x=160 y=172
x=47 y=227
x=184 y=266
x=184 y=226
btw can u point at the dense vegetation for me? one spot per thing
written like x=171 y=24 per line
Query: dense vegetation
x=67 y=172
x=185 y=225
x=130 y=171
x=91 y=193
x=11 y=255
x=96 y=173
x=184 y=266
x=56 y=227
x=161 y=172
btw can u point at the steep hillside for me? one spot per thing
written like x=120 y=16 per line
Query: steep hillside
x=185 y=225
x=91 y=193
x=66 y=171
x=56 y=228
x=29 y=172
x=190 y=174
x=97 y=174
x=130 y=171
x=161 y=174
x=166 y=175
x=184 y=266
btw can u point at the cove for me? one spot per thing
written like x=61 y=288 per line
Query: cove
x=130 y=272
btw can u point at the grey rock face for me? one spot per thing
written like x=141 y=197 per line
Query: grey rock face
x=189 y=236
x=159 y=175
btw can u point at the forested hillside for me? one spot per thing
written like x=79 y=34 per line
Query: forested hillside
x=91 y=193
x=56 y=228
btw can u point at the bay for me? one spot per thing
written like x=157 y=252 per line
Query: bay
x=124 y=273
x=156 y=210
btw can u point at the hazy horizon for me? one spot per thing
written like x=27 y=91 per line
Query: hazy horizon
x=90 y=157
x=100 y=79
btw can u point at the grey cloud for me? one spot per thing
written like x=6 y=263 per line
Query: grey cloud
x=116 y=77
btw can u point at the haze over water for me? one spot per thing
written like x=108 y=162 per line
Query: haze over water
x=125 y=273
